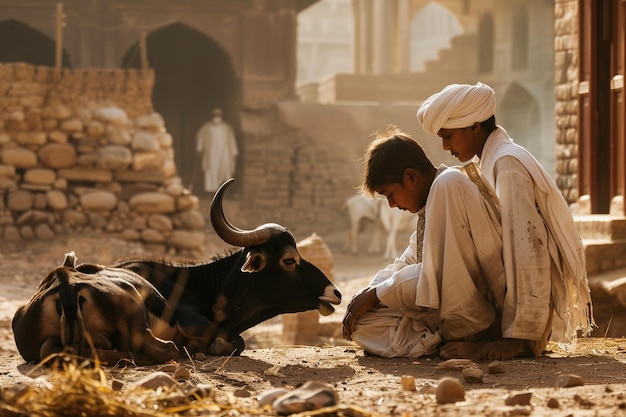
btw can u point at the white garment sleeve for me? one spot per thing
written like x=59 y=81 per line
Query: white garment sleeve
x=526 y=256
x=395 y=285
x=400 y=290
x=407 y=258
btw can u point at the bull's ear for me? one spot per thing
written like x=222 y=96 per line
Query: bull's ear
x=70 y=260
x=255 y=261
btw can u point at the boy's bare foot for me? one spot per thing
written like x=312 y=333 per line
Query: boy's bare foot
x=459 y=350
x=501 y=349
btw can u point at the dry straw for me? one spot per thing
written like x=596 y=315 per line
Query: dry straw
x=75 y=387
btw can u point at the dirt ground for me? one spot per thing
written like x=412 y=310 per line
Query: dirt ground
x=366 y=385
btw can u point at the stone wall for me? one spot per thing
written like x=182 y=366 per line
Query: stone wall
x=566 y=83
x=84 y=150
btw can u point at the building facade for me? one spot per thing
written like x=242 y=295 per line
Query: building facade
x=406 y=50
x=237 y=55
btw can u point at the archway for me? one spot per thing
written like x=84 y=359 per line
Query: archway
x=27 y=45
x=193 y=75
x=432 y=28
x=520 y=116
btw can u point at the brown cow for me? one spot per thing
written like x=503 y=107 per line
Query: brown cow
x=85 y=307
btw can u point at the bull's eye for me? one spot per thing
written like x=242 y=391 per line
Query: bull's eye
x=290 y=259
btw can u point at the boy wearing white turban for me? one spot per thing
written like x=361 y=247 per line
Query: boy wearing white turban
x=542 y=250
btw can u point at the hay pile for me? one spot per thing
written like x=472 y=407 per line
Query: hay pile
x=71 y=386
x=74 y=387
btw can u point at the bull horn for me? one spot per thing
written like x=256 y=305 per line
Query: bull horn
x=233 y=235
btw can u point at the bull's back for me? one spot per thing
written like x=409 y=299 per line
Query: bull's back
x=194 y=281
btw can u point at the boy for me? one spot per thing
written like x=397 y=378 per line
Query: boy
x=542 y=250
x=441 y=288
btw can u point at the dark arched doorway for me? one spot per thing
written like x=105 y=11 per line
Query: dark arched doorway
x=193 y=75
x=27 y=45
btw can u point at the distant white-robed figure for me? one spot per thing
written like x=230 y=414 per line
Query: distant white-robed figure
x=216 y=142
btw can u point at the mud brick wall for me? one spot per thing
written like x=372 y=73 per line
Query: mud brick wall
x=291 y=180
x=84 y=149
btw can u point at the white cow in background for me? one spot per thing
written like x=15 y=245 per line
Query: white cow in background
x=361 y=207
x=385 y=218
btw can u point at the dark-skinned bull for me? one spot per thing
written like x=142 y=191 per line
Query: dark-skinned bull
x=214 y=302
x=148 y=310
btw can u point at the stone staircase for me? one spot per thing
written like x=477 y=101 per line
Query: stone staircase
x=458 y=59
x=604 y=238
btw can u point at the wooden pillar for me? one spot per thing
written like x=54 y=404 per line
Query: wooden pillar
x=143 y=47
x=58 y=57
x=363 y=34
x=382 y=40
x=403 y=37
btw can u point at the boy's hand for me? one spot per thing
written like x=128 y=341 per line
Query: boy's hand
x=360 y=304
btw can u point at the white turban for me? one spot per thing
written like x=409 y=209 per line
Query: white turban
x=456 y=106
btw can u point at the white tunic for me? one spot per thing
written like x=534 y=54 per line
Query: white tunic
x=216 y=141
x=543 y=252
x=447 y=296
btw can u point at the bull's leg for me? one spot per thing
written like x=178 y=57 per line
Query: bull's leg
x=211 y=340
x=50 y=346
x=159 y=350
x=143 y=344
x=196 y=338
x=230 y=345
x=110 y=357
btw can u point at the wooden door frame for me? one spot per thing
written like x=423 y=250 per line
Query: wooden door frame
x=595 y=160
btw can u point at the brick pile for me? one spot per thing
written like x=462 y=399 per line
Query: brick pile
x=304 y=328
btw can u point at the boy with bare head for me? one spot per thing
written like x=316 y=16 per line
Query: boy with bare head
x=442 y=287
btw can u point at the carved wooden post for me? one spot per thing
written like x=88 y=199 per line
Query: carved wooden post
x=143 y=48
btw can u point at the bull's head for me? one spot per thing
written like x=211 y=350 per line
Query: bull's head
x=271 y=249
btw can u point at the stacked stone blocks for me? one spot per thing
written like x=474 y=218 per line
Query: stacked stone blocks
x=84 y=149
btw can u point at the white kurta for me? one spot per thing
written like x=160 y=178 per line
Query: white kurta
x=216 y=141
x=543 y=252
x=448 y=295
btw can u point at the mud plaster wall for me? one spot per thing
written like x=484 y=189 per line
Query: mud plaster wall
x=84 y=149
